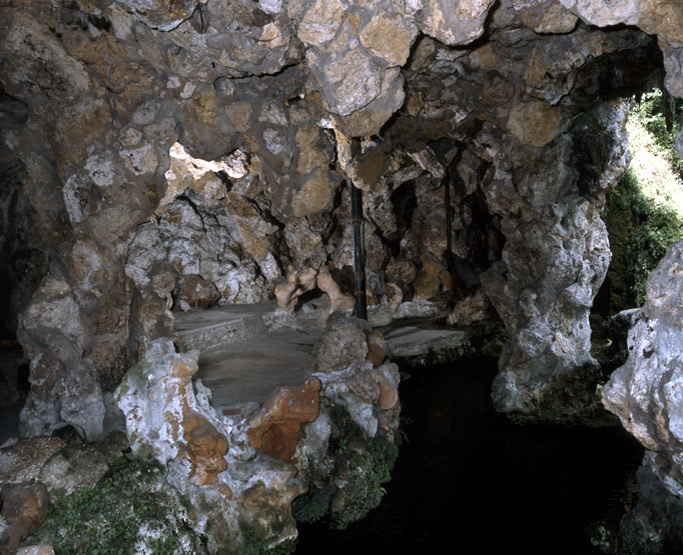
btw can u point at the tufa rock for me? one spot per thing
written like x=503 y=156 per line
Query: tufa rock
x=342 y=344
x=24 y=509
x=275 y=430
x=195 y=292
x=164 y=419
x=646 y=393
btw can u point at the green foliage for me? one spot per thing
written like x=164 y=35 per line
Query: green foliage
x=106 y=519
x=649 y=115
x=644 y=213
x=361 y=464
x=314 y=505
x=368 y=470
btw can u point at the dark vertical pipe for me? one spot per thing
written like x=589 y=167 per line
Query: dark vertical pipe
x=449 y=225
x=358 y=251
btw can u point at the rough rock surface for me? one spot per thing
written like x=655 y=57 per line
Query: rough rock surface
x=73 y=467
x=654 y=524
x=204 y=139
x=241 y=472
x=145 y=142
x=165 y=421
x=646 y=392
x=24 y=508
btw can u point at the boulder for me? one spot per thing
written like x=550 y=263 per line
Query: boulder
x=24 y=508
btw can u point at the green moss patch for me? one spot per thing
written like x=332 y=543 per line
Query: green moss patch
x=360 y=465
x=128 y=509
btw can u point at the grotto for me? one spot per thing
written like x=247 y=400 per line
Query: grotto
x=180 y=188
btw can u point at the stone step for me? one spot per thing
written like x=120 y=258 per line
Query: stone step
x=421 y=346
x=210 y=330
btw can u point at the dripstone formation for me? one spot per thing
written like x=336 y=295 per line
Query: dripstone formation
x=161 y=156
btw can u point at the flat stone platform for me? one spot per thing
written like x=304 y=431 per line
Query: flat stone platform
x=243 y=374
x=249 y=351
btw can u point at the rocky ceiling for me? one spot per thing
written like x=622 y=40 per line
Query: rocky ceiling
x=152 y=147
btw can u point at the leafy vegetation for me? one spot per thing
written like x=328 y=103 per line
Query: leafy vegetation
x=644 y=213
x=361 y=465
x=120 y=514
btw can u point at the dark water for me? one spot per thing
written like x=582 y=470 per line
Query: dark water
x=469 y=481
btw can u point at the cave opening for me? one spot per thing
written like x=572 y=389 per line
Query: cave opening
x=643 y=215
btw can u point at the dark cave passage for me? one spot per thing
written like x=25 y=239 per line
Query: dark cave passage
x=468 y=479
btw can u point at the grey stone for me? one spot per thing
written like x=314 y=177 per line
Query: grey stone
x=72 y=467
x=646 y=393
x=341 y=345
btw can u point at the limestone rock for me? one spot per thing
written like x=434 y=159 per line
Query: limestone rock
x=24 y=508
x=604 y=13
x=276 y=429
x=543 y=338
x=36 y=550
x=196 y=292
x=164 y=419
x=646 y=392
x=54 y=337
x=452 y=24
x=72 y=467
x=470 y=310
x=342 y=344
x=23 y=460
x=673 y=64
x=161 y=14
x=535 y=124
x=653 y=524
x=547 y=16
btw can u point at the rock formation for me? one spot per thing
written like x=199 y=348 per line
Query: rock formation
x=154 y=145
x=241 y=472
x=161 y=156
x=646 y=392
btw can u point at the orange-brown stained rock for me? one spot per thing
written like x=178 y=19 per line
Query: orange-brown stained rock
x=428 y=283
x=377 y=348
x=338 y=300
x=24 y=508
x=276 y=430
x=225 y=491
x=388 y=392
x=205 y=449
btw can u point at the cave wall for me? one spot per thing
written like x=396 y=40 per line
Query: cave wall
x=215 y=141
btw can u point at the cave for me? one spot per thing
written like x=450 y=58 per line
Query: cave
x=177 y=180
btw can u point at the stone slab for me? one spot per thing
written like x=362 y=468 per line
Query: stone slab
x=208 y=330
x=246 y=373
x=413 y=341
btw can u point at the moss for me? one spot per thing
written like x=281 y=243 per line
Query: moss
x=368 y=469
x=107 y=518
x=360 y=465
x=314 y=505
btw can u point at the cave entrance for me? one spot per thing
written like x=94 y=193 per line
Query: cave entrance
x=21 y=268
x=644 y=212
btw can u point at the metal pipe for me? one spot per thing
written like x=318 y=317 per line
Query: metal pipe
x=449 y=225
x=358 y=251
